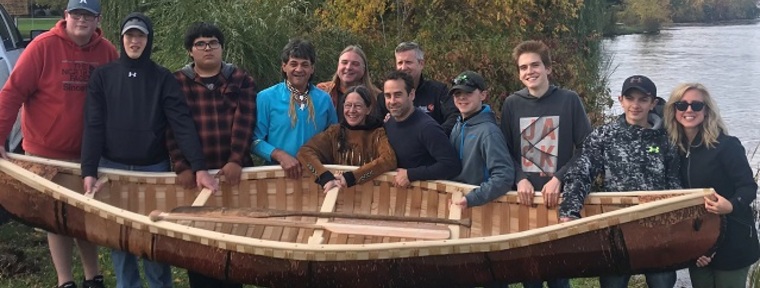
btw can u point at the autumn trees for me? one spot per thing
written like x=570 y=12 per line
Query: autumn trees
x=456 y=34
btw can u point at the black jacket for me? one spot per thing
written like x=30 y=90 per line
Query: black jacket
x=129 y=104
x=725 y=168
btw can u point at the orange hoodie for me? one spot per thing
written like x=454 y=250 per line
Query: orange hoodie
x=50 y=80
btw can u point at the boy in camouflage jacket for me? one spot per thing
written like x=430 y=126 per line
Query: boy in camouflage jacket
x=633 y=154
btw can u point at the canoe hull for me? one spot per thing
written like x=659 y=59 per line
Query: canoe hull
x=679 y=236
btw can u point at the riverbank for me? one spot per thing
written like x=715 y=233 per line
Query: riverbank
x=622 y=29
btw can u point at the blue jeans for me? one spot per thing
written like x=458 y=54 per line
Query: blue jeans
x=556 y=283
x=654 y=280
x=124 y=264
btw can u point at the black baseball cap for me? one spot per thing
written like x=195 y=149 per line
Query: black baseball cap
x=641 y=83
x=468 y=81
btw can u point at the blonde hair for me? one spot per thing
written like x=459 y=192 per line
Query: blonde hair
x=710 y=128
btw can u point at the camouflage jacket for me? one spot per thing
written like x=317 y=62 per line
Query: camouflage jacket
x=629 y=158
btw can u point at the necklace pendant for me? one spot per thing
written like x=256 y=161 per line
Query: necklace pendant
x=302 y=106
x=300 y=97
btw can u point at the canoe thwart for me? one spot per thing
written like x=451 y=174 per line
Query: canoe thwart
x=410 y=231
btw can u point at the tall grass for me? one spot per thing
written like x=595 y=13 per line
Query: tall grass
x=255 y=32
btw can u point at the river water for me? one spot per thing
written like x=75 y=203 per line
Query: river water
x=725 y=58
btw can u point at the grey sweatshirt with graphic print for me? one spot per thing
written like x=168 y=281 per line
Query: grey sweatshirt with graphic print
x=630 y=158
x=543 y=133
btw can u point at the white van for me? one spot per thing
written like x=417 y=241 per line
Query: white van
x=13 y=45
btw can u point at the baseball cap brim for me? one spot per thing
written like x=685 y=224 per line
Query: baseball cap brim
x=637 y=88
x=85 y=9
x=464 y=88
x=135 y=26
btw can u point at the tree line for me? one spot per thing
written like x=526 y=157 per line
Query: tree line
x=457 y=35
x=650 y=15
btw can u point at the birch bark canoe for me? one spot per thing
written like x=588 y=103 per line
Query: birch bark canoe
x=624 y=232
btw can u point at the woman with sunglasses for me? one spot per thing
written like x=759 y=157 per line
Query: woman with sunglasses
x=359 y=140
x=710 y=158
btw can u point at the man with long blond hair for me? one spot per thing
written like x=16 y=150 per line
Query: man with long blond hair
x=352 y=70
x=711 y=158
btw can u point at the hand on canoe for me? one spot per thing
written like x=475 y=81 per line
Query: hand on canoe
x=461 y=202
x=717 y=204
x=186 y=179
x=231 y=172
x=525 y=192
x=204 y=180
x=341 y=180
x=703 y=261
x=551 y=192
x=330 y=185
x=288 y=163
x=402 y=178
x=91 y=185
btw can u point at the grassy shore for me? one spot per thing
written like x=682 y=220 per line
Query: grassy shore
x=25 y=260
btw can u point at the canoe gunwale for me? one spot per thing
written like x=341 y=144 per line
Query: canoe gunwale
x=326 y=252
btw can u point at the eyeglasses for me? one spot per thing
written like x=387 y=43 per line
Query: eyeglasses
x=79 y=16
x=201 y=45
x=696 y=106
x=355 y=106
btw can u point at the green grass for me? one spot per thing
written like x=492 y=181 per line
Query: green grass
x=27 y=24
x=25 y=261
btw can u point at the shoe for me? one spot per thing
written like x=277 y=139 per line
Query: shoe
x=96 y=282
x=69 y=284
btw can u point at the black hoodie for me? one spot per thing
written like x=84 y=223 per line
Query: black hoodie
x=129 y=104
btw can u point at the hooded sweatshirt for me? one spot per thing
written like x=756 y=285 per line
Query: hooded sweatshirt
x=543 y=132
x=630 y=157
x=50 y=80
x=485 y=159
x=130 y=102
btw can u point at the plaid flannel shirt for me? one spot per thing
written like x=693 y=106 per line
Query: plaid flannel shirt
x=224 y=115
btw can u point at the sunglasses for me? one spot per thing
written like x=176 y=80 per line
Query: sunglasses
x=696 y=106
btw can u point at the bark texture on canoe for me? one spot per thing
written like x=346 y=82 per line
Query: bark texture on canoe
x=627 y=232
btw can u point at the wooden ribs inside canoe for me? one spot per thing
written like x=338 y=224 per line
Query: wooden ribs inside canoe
x=624 y=232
